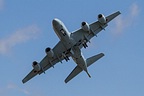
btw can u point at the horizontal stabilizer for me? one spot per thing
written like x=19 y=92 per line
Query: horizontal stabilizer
x=75 y=72
x=93 y=59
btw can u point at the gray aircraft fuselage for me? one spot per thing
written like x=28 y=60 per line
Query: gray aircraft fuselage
x=65 y=36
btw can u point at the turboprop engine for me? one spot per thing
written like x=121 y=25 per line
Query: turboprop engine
x=85 y=26
x=49 y=52
x=36 y=66
x=102 y=19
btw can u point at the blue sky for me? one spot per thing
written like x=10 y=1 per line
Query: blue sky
x=26 y=30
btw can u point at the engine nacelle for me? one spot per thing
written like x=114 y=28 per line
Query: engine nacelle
x=49 y=52
x=102 y=19
x=85 y=26
x=36 y=66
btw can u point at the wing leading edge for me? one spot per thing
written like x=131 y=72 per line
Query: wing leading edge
x=95 y=27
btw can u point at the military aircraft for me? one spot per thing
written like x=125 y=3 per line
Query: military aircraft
x=70 y=45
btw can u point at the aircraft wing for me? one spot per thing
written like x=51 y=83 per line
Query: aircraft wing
x=95 y=28
x=48 y=62
x=81 y=35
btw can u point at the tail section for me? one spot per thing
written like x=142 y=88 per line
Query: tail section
x=78 y=69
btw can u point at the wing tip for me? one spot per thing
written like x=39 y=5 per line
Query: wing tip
x=65 y=81
x=101 y=54
x=118 y=12
x=24 y=80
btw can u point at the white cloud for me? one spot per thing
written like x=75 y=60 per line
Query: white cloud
x=12 y=86
x=134 y=9
x=126 y=20
x=1 y=4
x=20 y=36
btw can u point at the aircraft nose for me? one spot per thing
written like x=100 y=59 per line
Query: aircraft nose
x=55 y=21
